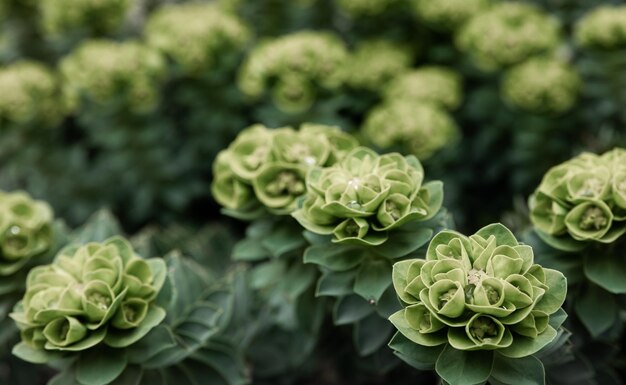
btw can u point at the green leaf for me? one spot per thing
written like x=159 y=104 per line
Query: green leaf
x=596 y=308
x=459 y=367
x=65 y=377
x=334 y=257
x=398 y=320
x=564 y=243
x=335 y=284
x=284 y=237
x=225 y=360
x=249 y=249
x=555 y=295
x=402 y=243
x=503 y=235
x=130 y=376
x=518 y=371
x=526 y=346
x=418 y=356
x=371 y=333
x=351 y=308
x=36 y=356
x=607 y=271
x=100 y=366
x=159 y=339
x=372 y=279
x=99 y=227
x=267 y=273
x=122 y=338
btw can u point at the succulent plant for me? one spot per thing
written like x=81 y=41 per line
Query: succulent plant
x=31 y=95
x=210 y=35
x=541 y=85
x=474 y=294
x=374 y=63
x=507 y=34
x=63 y=17
x=98 y=293
x=365 y=196
x=267 y=167
x=418 y=128
x=430 y=84
x=448 y=15
x=294 y=69
x=25 y=231
x=582 y=201
x=107 y=72
x=604 y=27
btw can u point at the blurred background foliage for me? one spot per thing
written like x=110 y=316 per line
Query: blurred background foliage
x=125 y=104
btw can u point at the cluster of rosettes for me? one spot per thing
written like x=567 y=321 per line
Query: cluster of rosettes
x=363 y=197
x=361 y=8
x=295 y=68
x=437 y=85
x=30 y=94
x=25 y=230
x=541 y=85
x=448 y=15
x=210 y=35
x=603 y=28
x=481 y=292
x=507 y=34
x=374 y=63
x=107 y=72
x=62 y=17
x=583 y=199
x=418 y=128
x=92 y=294
x=268 y=166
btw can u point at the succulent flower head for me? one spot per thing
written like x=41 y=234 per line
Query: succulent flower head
x=437 y=85
x=25 y=230
x=294 y=69
x=418 y=128
x=212 y=36
x=366 y=195
x=482 y=292
x=98 y=293
x=374 y=63
x=507 y=34
x=541 y=85
x=604 y=27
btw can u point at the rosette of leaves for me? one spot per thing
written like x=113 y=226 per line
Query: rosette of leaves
x=476 y=307
x=213 y=38
x=103 y=75
x=360 y=215
x=541 y=85
x=294 y=70
x=603 y=28
x=507 y=34
x=264 y=169
x=419 y=128
x=74 y=19
x=430 y=84
x=31 y=96
x=374 y=63
x=448 y=15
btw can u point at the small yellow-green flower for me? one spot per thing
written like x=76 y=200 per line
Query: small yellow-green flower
x=197 y=36
x=98 y=293
x=106 y=72
x=507 y=34
x=541 y=85
x=603 y=27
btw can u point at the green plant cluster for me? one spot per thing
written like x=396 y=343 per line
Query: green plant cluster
x=603 y=28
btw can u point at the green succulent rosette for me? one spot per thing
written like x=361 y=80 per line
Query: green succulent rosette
x=604 y=27
x=106 y=73
x=581 y=201
x=448 y=15
x=478 y=300
x=31 y=95
x=541 y=85
x=213 y=37
x=69 y=17
x=264 y=169
x=506 y=34
x=294 y=69
x=431 y=84
x=365 y=196
x=98 y=293
x=374 y=63
x=418 y=128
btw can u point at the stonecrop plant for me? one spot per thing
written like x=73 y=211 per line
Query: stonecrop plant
x=603 y=28
x=477 y=306
x=430 y=84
